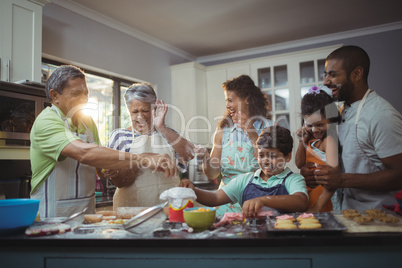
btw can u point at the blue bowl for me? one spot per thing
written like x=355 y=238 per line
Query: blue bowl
x=17 y=214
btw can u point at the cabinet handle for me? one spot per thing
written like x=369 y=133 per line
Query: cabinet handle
x=8 y=71
x=0 y=69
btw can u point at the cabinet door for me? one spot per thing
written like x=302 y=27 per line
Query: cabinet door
x=275 y=78
x=274 y=81
x=215 y=99
x=21 y=39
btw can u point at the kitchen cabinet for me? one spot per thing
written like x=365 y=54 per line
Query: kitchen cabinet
x=309 y=250
x=189 y=105
x=21 y=40
x=215 y=99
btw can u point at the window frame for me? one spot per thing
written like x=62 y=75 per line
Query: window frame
x=117 y=83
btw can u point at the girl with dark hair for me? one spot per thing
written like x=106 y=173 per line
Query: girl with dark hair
x=233 y=152
x=318 y=144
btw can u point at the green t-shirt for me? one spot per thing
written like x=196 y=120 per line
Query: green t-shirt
x=49 y=136
x=235 y=188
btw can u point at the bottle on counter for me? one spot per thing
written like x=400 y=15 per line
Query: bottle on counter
x=99 y=189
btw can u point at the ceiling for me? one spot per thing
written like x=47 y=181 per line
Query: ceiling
x=208 y=27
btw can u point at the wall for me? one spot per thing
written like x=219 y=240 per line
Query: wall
x=76 y=38
x=70 y=36
x=385 y=53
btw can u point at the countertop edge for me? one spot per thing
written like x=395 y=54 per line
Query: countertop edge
x=371 y=239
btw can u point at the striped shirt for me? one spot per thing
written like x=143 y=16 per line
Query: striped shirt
x=121 y=139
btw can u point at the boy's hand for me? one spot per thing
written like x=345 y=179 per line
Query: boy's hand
x=251 y=207
x=186 y=183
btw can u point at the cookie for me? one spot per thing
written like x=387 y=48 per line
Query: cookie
x=389 y=219
x=309 y=220
x=305 y=216
x=287 y=226
x=350 y=213
x=310 y=225
x=363 y=219
x=285 y=217
x=347 y=211
x=279 y=221
x=375 y=213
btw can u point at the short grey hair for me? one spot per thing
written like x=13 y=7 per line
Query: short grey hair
x=140 y=91
x=59 y=78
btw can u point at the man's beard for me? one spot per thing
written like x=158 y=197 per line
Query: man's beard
x=345 y=91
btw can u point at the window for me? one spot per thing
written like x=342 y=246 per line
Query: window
x=311 y=74
x=102 y=99
x=125 y=120
x=275 y=85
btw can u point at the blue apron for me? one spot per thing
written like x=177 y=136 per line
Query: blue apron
x=253 y=190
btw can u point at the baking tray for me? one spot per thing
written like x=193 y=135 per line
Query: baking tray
x=327 y=219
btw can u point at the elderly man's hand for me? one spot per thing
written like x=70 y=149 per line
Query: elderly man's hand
x=307 y=171
x=120 y=177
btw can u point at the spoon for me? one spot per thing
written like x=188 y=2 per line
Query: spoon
x=74 y=215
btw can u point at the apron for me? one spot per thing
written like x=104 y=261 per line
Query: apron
x=354 y=160
x=254 y=191
x=315 y=193
x=149 y=184
x=70 y=187
x=237 y=158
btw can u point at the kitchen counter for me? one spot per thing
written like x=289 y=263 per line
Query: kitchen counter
x=240 y=246
x=104 y=201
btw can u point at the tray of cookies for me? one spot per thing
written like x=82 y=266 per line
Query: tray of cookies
x=305 y=222
x=372 y=217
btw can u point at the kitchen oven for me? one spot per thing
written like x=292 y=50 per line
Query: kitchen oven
x=19 y=106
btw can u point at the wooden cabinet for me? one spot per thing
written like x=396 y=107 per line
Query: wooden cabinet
x=21 y=40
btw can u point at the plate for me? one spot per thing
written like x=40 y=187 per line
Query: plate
x=327 y=219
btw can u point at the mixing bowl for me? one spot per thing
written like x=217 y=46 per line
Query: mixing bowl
x=17 y=214
x=199 y=218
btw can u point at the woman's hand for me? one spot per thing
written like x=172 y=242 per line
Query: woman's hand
x=161 y=163
x=200 y=152
x=243 y=121
x=159 y=114
x=246 y=125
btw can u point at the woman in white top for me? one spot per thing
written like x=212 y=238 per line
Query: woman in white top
x=147 y=134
